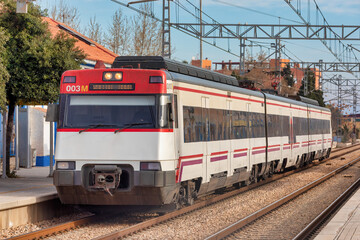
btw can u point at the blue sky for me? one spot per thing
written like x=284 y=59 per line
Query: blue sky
x=336 y=12
x=231 y=11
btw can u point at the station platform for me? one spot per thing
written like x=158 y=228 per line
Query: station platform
x=21 y=197
x=345 y=225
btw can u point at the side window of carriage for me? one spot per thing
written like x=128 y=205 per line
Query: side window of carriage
x=175 y=111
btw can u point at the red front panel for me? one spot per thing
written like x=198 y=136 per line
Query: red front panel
x=90 y=80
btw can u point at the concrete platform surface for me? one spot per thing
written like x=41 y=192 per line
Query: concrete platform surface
x=345 y=225
x=31 y=186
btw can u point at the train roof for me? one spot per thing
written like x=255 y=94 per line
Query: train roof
x=156 y=62
x=190 y=74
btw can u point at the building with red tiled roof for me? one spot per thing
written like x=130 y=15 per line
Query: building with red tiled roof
x=93 y=50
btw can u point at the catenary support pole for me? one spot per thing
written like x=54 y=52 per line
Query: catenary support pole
x=4 y=144
x=51 y=149
x=17 y=138
x=201 y=45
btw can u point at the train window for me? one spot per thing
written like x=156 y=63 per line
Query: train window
x=175 y=112
x=205 y=124
x=278 y=125
x=239 y=124
x=109 y=111
x=257 y=125
x=285 y=122
x=216 y=124
x=165 y=109
x=227 y=124
x=193 y=125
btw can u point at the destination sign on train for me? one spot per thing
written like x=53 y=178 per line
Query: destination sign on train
x=112 y=86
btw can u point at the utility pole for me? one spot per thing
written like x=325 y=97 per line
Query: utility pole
x=339 y=106
x=354 y=114
x=242 y=56
x=201 y=53
x=4 y=142
x=278 y=70
x=306 y=81
x=320 y=73
x=166 y=44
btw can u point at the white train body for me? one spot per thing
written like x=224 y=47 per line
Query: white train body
x=205 y=135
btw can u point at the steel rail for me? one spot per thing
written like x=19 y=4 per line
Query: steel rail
x=87 y=220
x=331 y=209
x=146 y=224
x=256 y=215
x=56 y=229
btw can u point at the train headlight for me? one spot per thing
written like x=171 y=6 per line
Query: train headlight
x=112 y=76
x=65 y=165
x=118 y=76
x=108 y=76
x=150 y=166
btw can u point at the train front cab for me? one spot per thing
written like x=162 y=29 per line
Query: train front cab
x=115 y=149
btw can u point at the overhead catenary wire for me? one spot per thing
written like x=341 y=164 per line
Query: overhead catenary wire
x=257 y=11
x=159 y=20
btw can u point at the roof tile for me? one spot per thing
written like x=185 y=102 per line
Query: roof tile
x=94 y=52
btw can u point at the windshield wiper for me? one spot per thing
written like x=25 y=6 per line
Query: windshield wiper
x=131 y=125
x=95 y=126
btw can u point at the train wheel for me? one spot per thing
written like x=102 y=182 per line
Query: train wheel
x=298 y=162
x=181 y=197
x=254 y=175
x=271 y=170
x=187 y=194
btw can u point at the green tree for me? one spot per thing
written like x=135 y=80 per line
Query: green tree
x=35 y=61
x=311 y=91
x=346 y=133
x=288 y=75
x=4 y=75
x=336 y=115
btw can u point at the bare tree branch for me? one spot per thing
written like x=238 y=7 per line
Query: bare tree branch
x=94 y=31
x=118 y=37
x=147 y=34
x=66 y=14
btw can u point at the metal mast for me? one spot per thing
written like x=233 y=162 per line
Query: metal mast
x=166 y=46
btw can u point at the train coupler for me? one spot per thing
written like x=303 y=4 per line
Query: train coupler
x=106 y=177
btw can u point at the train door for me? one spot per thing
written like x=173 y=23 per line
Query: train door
x=177 y=140
x=227 y=136
x=292 y=138
x=206 y=135
x=310 y=137
x=248 y=135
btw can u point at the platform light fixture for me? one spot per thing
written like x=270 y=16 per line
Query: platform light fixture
x=22 y=6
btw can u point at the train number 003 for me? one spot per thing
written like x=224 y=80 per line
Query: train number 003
x=77 y=88
x=73 y=88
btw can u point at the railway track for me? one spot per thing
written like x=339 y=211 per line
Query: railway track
x=144 y=225
x=264 y=211
x=319 y=221
x=57 y=228
x=172 y=215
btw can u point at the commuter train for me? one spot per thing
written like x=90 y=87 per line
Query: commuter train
x=152 y=131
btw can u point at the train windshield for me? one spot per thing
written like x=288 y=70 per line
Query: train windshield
x=84 y=111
